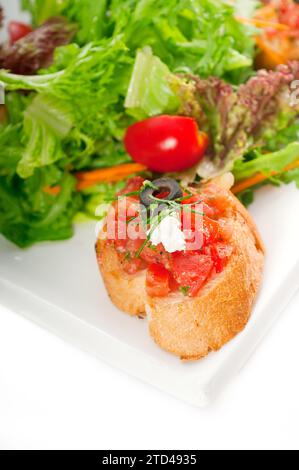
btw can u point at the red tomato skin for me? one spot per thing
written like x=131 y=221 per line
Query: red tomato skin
x=155 y=254
x=220 y=253
x=133 y=184
x=132 y=266
x=203 y=231
x=168 y=272
x=166 y=143
x=191 y=269
x=198 y=203
x=211 y=231
x=17 y=30
x=219 y=262
x=157 y=280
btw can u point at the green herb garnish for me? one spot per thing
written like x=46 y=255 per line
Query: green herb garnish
x=184 y=289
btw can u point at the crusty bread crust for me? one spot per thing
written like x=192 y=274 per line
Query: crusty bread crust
x=127 y=291
x=192 y=327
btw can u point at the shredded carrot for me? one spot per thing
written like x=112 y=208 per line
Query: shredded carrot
x=117 y=173
x=270 y=57
x=108 y=174
x=263 y=23
x=260 y=177
x=267 y=12
x=105 y=175
x=53 y=190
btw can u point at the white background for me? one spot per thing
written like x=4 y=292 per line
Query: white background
x=53 y=396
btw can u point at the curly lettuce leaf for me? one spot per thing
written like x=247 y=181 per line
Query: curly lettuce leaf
x=90 y=15
x=10 y=148
x=199 y=36
x=266 y=163
x=46 y=124
x=291 y=176
x=282 y=134
x=276 y=161
x=29 y=215
x=239 y=119
x=149 y=92
x=98 y=195
x=86 y=89
x=41 y=10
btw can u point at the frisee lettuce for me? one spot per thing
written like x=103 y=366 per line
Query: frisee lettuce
x=72 y=115
x=199 y=36
x=41 y=10
x=29 y=215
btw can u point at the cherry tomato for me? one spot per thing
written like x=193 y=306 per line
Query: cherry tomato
x=17 y=30
x=166 y=143
x=191 y=270
x=157 y=280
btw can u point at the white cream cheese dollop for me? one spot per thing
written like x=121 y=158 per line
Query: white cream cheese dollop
x=169 y=233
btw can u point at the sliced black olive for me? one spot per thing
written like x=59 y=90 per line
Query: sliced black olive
x=168 y=185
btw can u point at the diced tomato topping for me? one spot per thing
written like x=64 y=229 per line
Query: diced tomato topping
x=217 y=259
x=220 y=253
x=133 y=246
x=131 y=264
x=195 y=208
x=200 y=203
x=209 y=211
x=191 y=269
x=126 y=235
x=211 y=231
x=216 y=197
x=120 y=245
x=167 y=272
x=154 y=254
x=157 y=280
x=203 y=232
x=193 y=199
x=125 y=209
x=133 y=184
x=173 y=285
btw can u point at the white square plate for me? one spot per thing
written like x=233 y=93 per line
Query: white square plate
x=57 y=285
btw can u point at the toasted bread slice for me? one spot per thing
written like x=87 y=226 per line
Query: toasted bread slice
x=127 y=291
x=192 y=327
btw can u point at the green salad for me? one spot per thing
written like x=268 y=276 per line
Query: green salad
x=91 y=68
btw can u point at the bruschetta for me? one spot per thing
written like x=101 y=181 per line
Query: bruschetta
x=195 y=299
